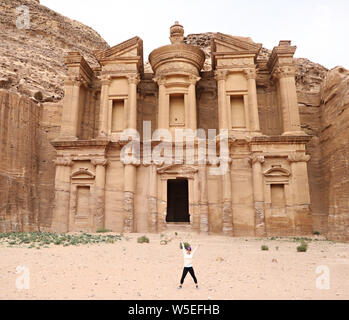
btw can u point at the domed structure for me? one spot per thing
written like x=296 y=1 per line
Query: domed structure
x=177 y=57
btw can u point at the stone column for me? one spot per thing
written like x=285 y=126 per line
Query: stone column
x=60 y=218
x=153 y=196
x=299 y=172
x=227 y=204
x=129 y=195
x=204 y=228
x=251 y=76
x=71 y=109
x=164 y=106
x=104 y=108
x=288 y=100
x=133 y=81
x=301 y=195
x=192 y=103
x=258 y=194
x=100 y=165
x=223 y=118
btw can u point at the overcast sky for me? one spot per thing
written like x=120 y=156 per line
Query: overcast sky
x=319 y=28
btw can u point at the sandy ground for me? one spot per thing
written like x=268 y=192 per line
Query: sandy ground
x=227 y=268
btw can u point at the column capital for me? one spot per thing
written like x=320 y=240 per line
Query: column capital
x=257 y=159
x=64 y=162
x=221 y=75
x=161 y=81
x=250 y=73
x=284 y=72
x=133 y=79
x=74 y=81
x=105 y=80
x=298 y=157
x=100 y=162
x=194 y=79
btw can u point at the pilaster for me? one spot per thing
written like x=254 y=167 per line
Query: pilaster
x=258 y=194
x=60 y=217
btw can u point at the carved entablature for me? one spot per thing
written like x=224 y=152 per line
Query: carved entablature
x=78 y=68
x=281 y=56
x=82 y=174
x=298 y=157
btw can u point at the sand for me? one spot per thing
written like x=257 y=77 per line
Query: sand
x=227 y=268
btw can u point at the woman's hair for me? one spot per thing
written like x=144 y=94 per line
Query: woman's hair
x=189 y=248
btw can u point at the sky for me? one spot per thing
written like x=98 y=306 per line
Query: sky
x=319 y=28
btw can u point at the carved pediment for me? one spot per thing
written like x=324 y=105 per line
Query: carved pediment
x=178 y=169
x=131 y=49
x=223 y=43
x=277 y=171
x=83 y=173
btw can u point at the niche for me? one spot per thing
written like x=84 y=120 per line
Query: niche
x=278 y=199
x=82 y=201
x=117 y=116
x=177 y=110
x=238 y=117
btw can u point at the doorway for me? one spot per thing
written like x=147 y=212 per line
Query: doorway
x=177 y=201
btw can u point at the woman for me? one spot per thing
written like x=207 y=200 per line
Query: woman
x=188 y=265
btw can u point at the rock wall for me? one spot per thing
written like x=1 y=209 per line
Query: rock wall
x=335 y=151
x=19 y=163
x=32 y=65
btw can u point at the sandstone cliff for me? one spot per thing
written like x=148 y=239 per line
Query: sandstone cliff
x=32 y=71
x=335 y=151
x=19 y=162
x=32 y=59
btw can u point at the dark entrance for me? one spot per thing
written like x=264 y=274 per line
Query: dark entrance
x=177 y=201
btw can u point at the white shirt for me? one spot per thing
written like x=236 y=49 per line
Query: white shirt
x=188 y=258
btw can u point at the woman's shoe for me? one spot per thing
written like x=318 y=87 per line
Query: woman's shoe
x=180 y=287
x=197 y=287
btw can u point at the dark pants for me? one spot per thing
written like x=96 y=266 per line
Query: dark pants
x=192 y=273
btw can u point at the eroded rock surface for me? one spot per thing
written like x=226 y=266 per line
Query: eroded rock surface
x=32 y=59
